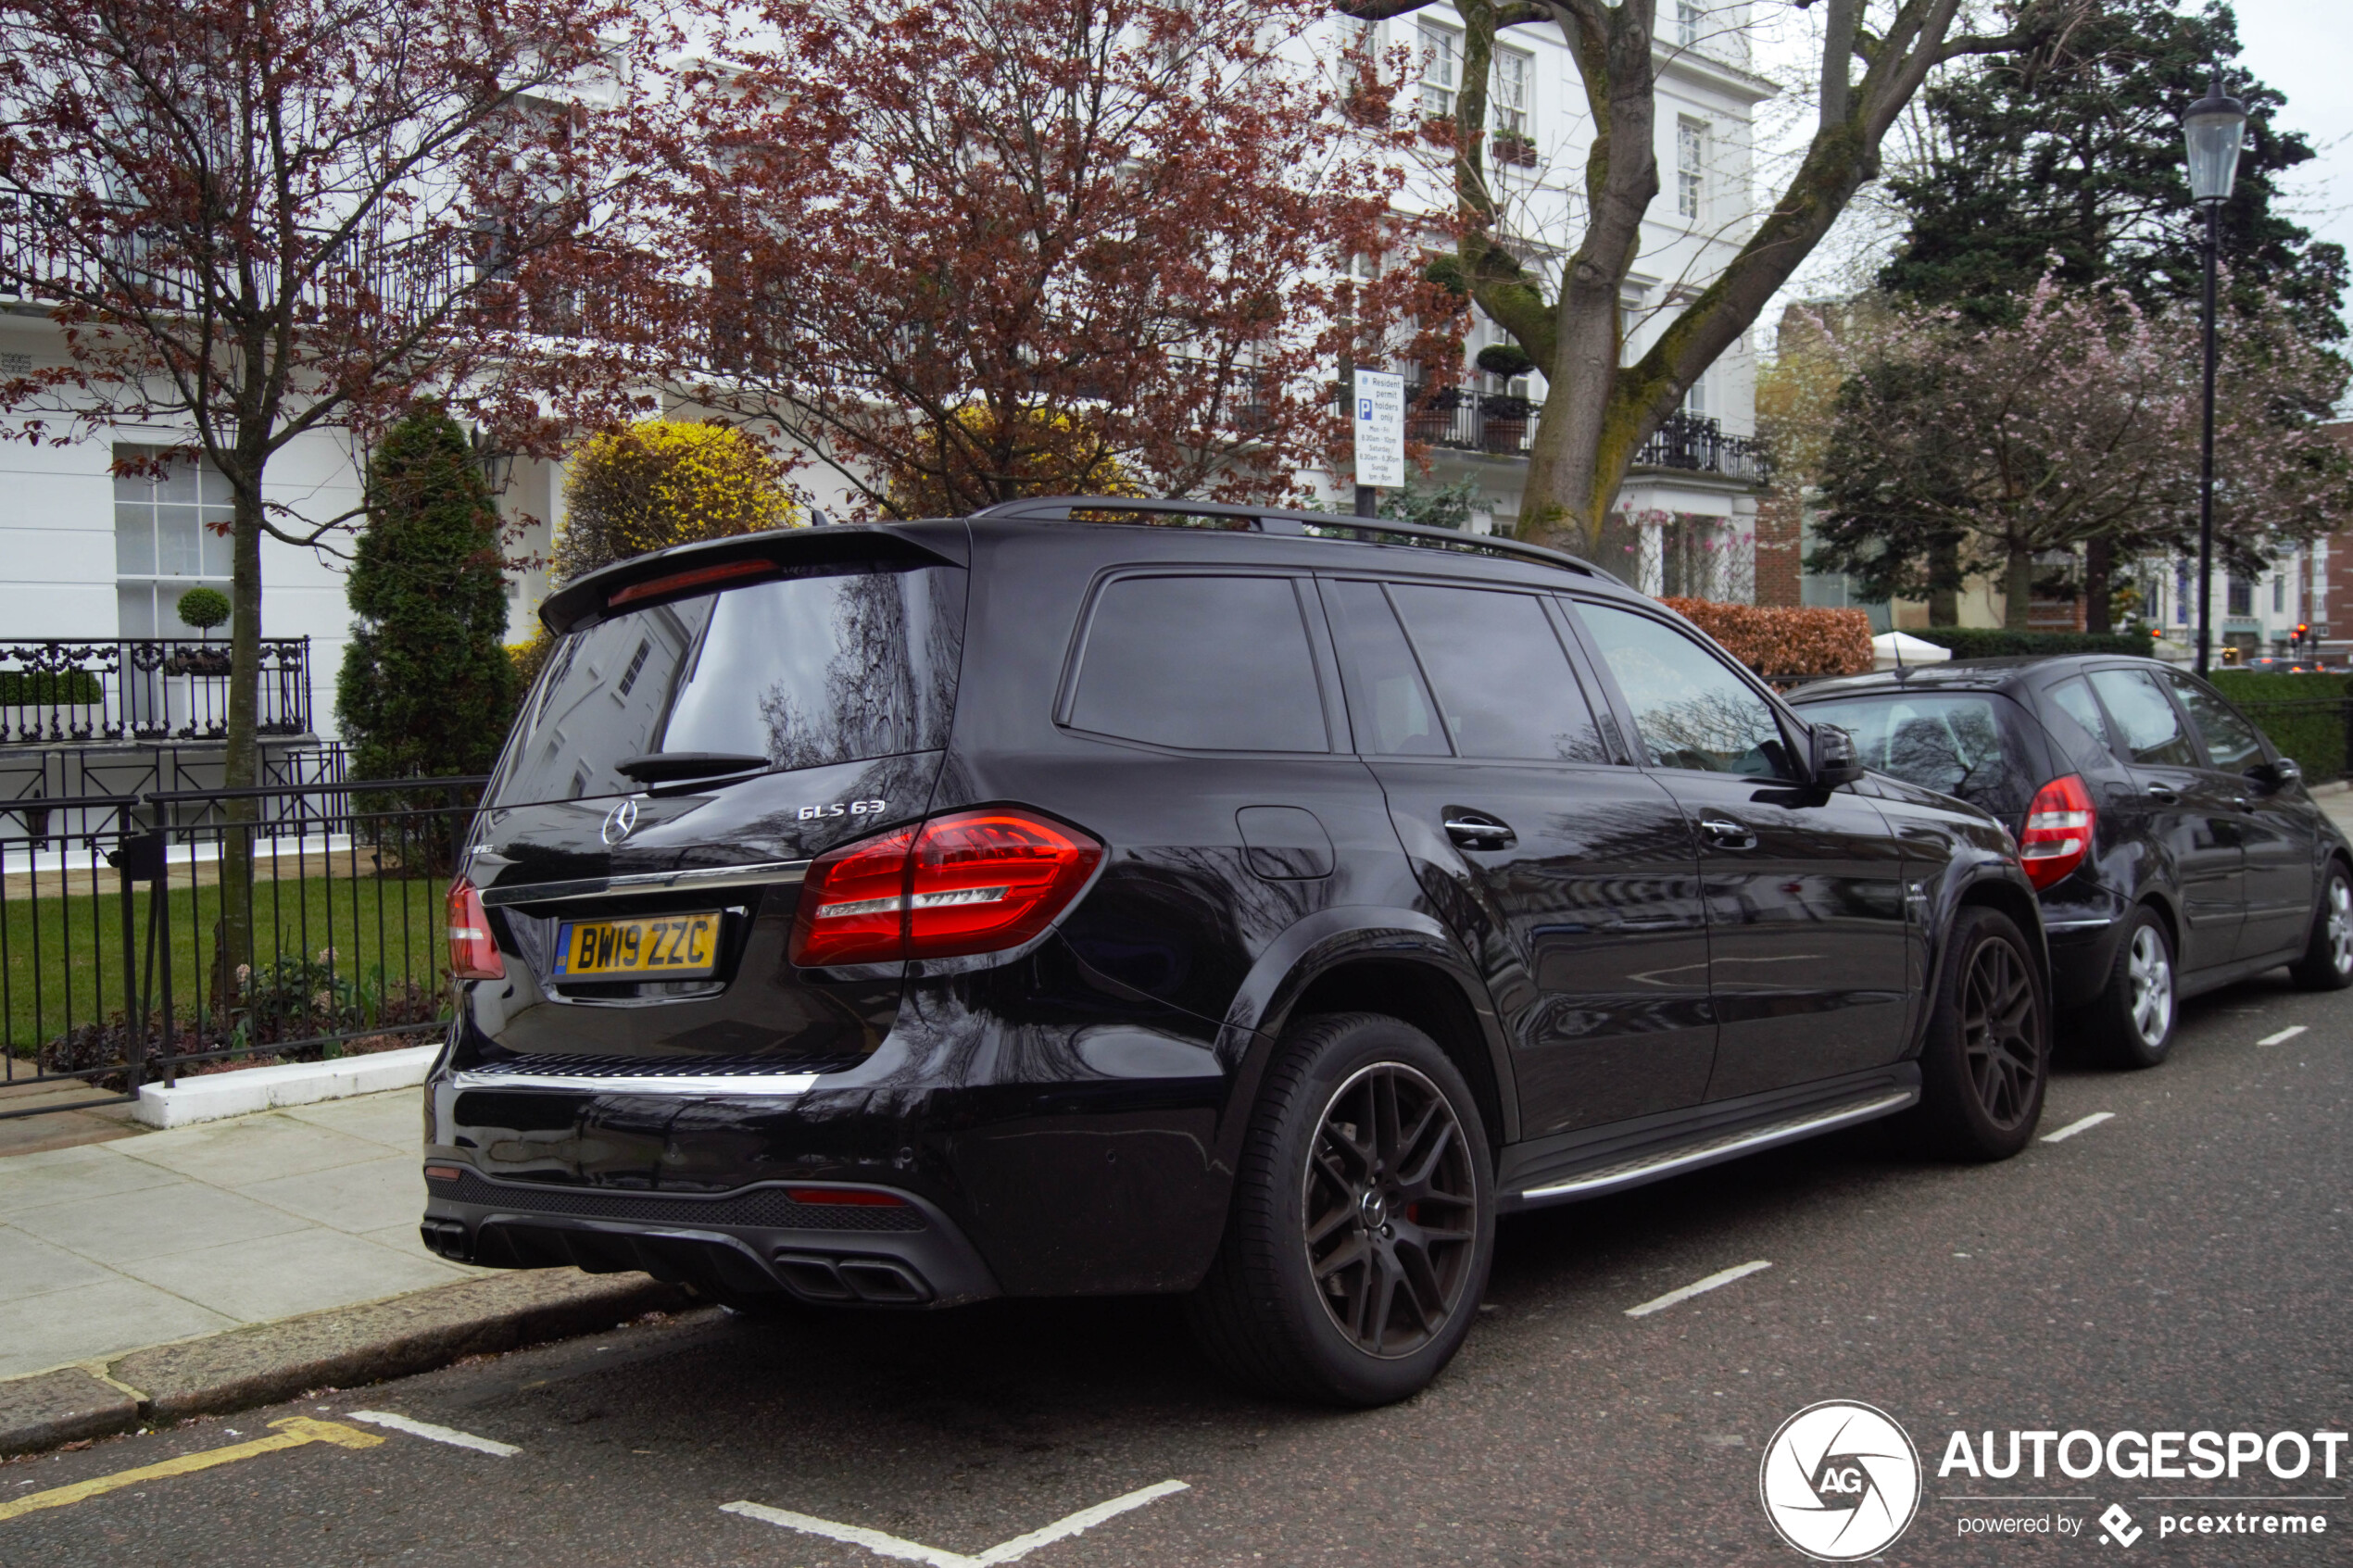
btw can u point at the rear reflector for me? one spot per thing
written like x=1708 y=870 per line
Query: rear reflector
x=850 y=1198
x=473 y=952
x=443 y=1173
x=679 y=582
x=970 y=882
x=2058 y=831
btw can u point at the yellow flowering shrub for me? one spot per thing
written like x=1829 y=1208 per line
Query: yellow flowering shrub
x=984 y=460
x=662 y=482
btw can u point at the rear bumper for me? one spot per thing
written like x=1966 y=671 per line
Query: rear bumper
x=754 y=1241
x=2082 y=955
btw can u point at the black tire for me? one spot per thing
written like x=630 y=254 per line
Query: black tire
x=2327 y=963
x=2130 y=1024
x=1363 y=1220
x=1987 y=1062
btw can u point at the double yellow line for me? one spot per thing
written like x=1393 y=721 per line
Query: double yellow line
x=293 y=1432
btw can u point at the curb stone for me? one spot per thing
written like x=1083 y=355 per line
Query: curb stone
x=343 y=1347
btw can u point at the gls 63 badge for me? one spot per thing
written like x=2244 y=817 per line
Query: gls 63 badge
x=1840 y=1480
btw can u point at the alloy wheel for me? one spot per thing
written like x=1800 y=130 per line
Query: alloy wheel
x=2000 y=1033
x=1391 y=1209
x=2340 y=924
x=2151 y=973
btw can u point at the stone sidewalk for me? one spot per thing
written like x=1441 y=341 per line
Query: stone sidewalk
x=106 y=1247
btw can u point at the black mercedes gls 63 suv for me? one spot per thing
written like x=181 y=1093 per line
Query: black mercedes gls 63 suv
x=1103 y=895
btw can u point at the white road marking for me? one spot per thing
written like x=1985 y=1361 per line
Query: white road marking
x=427 y=1430
x=2085 y=1125
x=2284 y=1037
x=1695 y=1288
x=935 y=1557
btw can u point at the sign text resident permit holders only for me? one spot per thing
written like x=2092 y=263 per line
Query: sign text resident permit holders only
x=1381 y=428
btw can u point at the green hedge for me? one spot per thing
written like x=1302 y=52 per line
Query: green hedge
x=43 y=688
x=1994 y=642
x=2313 y=735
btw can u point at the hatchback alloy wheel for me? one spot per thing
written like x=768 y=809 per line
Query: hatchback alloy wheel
x=2150 y=970
x=2340 y=925
x=1391 y=1209
x=2001 y=1033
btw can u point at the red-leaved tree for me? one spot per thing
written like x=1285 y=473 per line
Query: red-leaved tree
x=968 y=251
x=254 y=221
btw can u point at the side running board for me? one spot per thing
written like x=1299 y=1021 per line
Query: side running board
x=1650 y=1165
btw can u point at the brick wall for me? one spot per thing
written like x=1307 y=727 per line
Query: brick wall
x=1779 y=567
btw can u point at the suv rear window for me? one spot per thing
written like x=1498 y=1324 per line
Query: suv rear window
x=819 y=667
x=1204 y=663
x=1956 y=745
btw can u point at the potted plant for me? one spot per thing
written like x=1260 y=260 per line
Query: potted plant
x=203 y=608
x=1504 y=416
x=1512 y=147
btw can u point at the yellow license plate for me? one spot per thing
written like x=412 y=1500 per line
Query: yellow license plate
x=672 y=947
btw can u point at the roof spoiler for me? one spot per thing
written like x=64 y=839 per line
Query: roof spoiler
x=711 y=564
x=1294 y=524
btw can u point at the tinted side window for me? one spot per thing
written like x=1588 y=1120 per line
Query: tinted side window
x=1387 y=702
x=1963 y=745
x=1207 y=663
x=1691 y=710
x=2230 y=741
x=2072 y=716
x=2151 y=730
x=1505 y=684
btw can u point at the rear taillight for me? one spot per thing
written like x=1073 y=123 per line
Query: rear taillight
x=971 y=882
x=473 y=952
x=2058 y=831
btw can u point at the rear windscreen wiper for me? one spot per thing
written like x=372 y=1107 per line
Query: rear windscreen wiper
x=667 y=767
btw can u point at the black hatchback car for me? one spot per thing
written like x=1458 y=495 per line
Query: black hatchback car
x=1093 y=896
x=2176 y=850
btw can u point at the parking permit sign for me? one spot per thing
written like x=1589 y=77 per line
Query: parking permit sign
x=1381 y=428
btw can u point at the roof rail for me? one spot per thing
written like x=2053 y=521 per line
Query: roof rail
x=1295 y=525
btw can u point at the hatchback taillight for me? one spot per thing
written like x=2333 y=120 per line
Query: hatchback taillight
x=2058 y=831
x=473 y=952
x=970 y=882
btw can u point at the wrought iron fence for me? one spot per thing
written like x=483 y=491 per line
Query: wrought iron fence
x=166 y=932
x=1463 y=421
x=143 y=688
x=1697 y=444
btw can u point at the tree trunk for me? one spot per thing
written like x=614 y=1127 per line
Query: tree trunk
x=1944 y=581
x=2099 y=570
x=241 y=763
x=2019 y=597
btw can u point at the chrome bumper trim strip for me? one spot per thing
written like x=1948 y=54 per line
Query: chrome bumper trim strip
x=728 y=1085
x=768 y=873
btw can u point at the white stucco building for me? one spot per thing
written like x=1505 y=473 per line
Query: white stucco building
x=88 y=558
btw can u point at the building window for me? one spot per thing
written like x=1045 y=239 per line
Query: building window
x=1690 y=168
x=164 y=542
x=1507 y=99
x=2181 y=592
x=1695 y=400
x=1441 y=53
x=2242 y=597
x=1687 y=19
x=2279 y=592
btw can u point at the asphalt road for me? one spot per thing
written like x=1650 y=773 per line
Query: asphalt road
x=2180 y=1266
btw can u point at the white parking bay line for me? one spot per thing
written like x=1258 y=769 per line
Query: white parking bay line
x=937 y=1557
x=2085 y=1125
x=1696 y=1287
x=2284 y=1037
x=426 y=1429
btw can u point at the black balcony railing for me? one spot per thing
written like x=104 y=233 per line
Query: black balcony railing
x=1463 y=421
x=1698 y=444
x=142 y=689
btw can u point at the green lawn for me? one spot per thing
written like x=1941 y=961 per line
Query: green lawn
x=61 y=958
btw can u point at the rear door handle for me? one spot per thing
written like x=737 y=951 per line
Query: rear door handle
x=2165 y=794
x=1477 y=829
x=1726 y=834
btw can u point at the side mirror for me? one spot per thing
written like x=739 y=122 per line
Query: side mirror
x=2279 y=774
x=1833 y=761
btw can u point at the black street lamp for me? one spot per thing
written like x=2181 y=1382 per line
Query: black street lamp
x=2213 y=129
